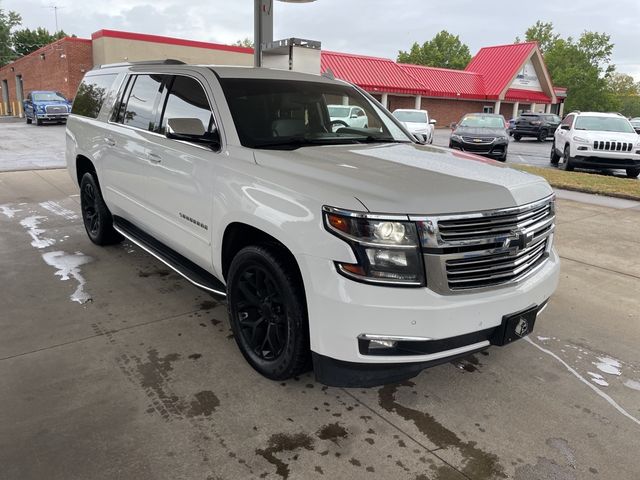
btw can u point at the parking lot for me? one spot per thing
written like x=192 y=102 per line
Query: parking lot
x=113 y=366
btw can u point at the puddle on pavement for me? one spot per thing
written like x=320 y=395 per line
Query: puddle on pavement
x=283 y=442
x=477 y=463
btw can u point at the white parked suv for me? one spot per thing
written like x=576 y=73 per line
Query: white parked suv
x=359 y=251
x=417 y=122
x=596 y=141
x=347 y=116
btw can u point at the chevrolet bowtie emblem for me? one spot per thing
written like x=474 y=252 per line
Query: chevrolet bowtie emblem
x=518 y=239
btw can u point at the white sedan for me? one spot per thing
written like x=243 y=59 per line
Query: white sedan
x=418 y=123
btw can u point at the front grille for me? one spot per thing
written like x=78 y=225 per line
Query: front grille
x=486 y=270
x=613 y=146
x=486 y=250
x=478 y=140
x=55 y=109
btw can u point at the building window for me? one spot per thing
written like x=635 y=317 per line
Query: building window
x=487 y=109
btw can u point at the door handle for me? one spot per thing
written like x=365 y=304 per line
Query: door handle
x=154 y=157
x=110 y=141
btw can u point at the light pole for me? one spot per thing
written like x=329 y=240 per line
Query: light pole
x=263 y=25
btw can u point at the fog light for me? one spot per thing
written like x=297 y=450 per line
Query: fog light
x=382 y=344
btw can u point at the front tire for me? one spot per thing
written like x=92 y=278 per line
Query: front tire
x=96 y=217
x=633 y=172
x=38 y=121
x=267 y=312
x=567 y=164
x=517 y=137
x=554 y=158
x=28 y=120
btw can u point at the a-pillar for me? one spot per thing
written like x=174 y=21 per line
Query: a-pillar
x=516 y=107
x=384 y=100
x=418 y=104
x=496 y=108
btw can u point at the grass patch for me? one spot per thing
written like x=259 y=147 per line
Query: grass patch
x=588 y=182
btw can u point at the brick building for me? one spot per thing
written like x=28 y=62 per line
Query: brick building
x=58 y=66
x=508 y=79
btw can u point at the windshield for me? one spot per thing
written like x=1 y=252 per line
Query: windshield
x=338 y=112
x=482 y=121
x=604 y=124
x=411 y=117
x=48 y=97
x=290 y=114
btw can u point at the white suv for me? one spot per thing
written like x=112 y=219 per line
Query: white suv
x=417 y=122
x=357 y=250
x=596 y=141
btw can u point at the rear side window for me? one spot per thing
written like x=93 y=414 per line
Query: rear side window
x=91 y=94
x=187 y=99
x=141 y=102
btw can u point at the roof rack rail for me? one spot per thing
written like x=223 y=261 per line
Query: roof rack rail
x=166 y=61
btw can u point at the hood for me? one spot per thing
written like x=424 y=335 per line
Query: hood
x=480 y=132
x=416 y=127
x=403 y=178
x=593 y=136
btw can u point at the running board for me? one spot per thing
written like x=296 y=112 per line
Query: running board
x=172 y=259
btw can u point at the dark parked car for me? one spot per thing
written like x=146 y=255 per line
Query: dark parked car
x=536 y=125
x=46 y=106
x=635 y=123
x=481 y=133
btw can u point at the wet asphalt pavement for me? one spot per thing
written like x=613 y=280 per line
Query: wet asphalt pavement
x=112 y=366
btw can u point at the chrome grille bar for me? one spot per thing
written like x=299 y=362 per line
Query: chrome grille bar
x=478 y=251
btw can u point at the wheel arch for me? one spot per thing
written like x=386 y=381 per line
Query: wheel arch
x=84 y=165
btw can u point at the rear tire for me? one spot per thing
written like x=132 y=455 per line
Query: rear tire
x=542 y=136
x=633 y=172
x=567 y=164
x=96 y=217
x=554 y=158
x=268 y=313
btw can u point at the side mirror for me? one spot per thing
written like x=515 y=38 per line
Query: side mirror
x=565 y=127
x=191 y=130
x=453 y=126
x=354 y=115
x=433 y=122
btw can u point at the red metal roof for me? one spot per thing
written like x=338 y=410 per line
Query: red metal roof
x=518 y=95
x=498 y=65
x=442 y=82
x=371 y=73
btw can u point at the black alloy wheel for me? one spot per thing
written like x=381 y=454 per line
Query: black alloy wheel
x=96 y=217
x=267 y=312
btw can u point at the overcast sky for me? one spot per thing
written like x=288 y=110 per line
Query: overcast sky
x=372 y=27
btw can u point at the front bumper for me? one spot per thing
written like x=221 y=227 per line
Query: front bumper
x=495 y=149
x=602 y=159
x=341 y=311
x=52 y=116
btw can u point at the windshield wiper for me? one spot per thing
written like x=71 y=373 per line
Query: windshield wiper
x=372 y=139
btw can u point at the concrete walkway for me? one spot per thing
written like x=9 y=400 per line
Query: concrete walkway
x=112 y=366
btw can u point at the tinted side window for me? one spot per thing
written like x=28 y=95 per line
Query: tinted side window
x=568 y=120
x=187 y=99
x=91 y=94
x=142 y=99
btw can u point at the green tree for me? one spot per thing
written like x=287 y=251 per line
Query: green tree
x=26 y=40
x=245 y=42
x=8 y=20
x=626 y=93
x=583 y=66
x=541 y=32
x=444 y=50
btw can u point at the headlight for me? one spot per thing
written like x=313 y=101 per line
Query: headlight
x=456 y=137
x=41 y=108
x=387 y=251
x=581 y=139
